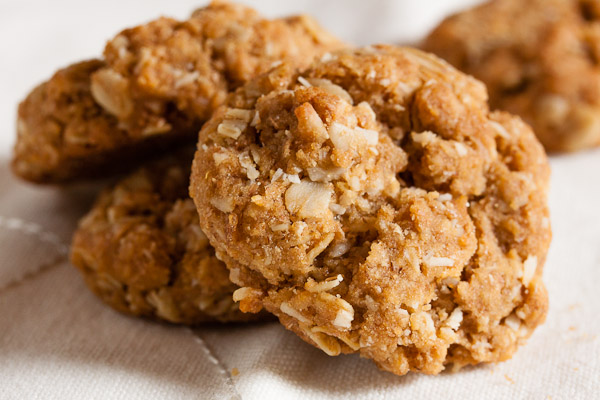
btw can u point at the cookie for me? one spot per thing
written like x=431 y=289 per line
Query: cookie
x=156 y=85
x=539 y=59
x=375 y=205
x=64 y=134
x=141 y=250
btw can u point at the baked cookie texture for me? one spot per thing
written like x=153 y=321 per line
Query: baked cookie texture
x=155 y=86
x=375 y=205
x=141 y=250
x=64 y=134
x=539 y=59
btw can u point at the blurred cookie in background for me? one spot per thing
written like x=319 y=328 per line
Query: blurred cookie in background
x=539 y=59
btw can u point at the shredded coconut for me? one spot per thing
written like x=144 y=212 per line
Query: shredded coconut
x=529 y=267
x=304 y=82
x=325 y=285
x=455 y=318
x=500 y=129
x=286 y=308
x=513 y=322
x=345 y=315
x=461 y=149
x=439 y=262
x=445 y=197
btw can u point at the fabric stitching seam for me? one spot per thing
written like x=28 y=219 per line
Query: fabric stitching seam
x=35 y=230
x=28 y=276
x=215 y=361
x=29 y=228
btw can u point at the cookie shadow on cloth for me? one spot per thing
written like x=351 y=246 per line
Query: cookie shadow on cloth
x=271 y=353
x=56 y=324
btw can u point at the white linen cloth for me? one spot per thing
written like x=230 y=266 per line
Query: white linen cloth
x=57 y=341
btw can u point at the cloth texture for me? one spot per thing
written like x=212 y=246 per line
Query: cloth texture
x=58 y=341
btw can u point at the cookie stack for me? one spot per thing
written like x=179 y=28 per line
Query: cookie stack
x=368 y=198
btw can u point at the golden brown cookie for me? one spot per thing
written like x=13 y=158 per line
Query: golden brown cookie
x=375 y=205
x=154 y=88
x=141 y=250
x=64 y=134
x=539 y=59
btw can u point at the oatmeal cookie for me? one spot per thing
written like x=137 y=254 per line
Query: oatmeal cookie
x=141 y=250
x=375 y=205
x=63 y=133
x=539 y=59
x=155 y=86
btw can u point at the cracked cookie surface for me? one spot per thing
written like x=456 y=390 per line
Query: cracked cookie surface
x=155 y=86
x=375 y=205
x=539 y=59
x=141 y=250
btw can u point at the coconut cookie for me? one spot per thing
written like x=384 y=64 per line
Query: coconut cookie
x=375 y=205
x=141 y=250
x=539 y=59
x=64 y=134
x=155 y=87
